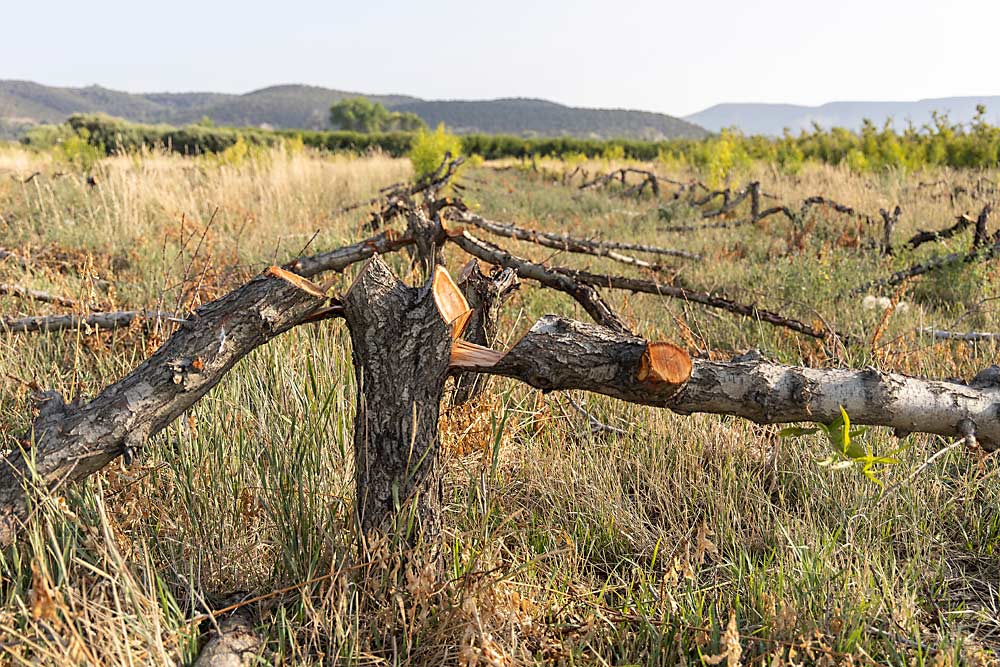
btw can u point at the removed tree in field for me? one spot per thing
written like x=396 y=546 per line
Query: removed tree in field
x=406 y=341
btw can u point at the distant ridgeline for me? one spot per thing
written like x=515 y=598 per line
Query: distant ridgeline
x=941 y=144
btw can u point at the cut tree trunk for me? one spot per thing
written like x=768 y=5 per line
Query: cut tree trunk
x=401 y=346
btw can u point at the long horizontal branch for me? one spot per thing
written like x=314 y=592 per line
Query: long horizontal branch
x=923 y=237
x=549 y=276
x=968 y=336
x=337 y=260
x=569 y=243
x=334 y=260
x=694 y=296
x=106 y=321
x=37 y=295
x=560 y=354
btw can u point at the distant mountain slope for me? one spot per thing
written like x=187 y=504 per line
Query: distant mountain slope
x=772 y=119
x=24 y=103
x=542 y=118
x=293 y=106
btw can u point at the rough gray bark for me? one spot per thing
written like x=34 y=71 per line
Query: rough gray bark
x=233 y=643
x=981 y=236
x=559 y=354
x=485 y=296
x=400 y=348
x=68 y=442
x=428 y=237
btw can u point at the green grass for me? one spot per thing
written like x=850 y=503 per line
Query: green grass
x=560 y=545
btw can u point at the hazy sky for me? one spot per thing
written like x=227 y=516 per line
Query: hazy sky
x=673 y=57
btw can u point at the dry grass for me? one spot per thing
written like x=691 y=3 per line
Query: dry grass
x=685 y=537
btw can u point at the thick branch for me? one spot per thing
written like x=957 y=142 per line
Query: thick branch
x=69 y=442
x=387 y=242
x=560 y=354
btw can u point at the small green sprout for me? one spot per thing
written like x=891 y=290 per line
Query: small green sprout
x=848 y=446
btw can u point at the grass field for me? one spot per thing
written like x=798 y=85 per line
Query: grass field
x=679 y=539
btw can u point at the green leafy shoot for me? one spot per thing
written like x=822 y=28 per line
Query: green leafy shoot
x=849 y=446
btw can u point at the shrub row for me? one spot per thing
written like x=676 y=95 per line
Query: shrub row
x=941 y=143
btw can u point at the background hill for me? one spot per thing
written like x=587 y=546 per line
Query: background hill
x=534 y=117
x=24 y=103
x=772 y=119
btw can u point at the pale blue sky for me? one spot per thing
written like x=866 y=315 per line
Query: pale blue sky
x=672 y=57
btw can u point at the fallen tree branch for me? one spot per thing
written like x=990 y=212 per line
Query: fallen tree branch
x=550 y=276
x=933 y=264
x=104 y=321
x=694 y=296
x=585 y=295
x=560 y=354
x=923 y=237
x=37 y=295
x=70 y=441
x=401 y=338
x=334 y=260
x=565 y=243
x=819 y=200
x=971 y=336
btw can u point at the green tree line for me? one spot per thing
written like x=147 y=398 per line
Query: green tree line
x=941 y=143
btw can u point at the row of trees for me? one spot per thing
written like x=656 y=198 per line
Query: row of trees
x=941 y=143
